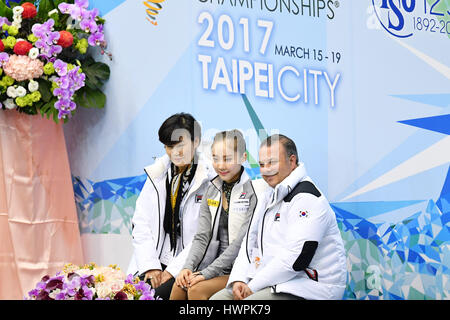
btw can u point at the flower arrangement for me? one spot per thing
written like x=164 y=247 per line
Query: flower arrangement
x=46 y=57
x=91 y=282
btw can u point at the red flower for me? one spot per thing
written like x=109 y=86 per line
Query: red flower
x=22 y=48
x=29 y=10
x=65 y=39
x=2 y=46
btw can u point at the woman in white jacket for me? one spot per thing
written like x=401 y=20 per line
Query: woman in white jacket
x=166 y=214
x=226 y=210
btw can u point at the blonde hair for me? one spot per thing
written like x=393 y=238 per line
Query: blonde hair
x=236 y=136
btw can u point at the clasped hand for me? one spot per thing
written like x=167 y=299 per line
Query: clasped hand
x=157 y=277
x=241 y=290
x=186 y=278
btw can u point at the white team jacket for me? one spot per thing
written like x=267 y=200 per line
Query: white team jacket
x=286 y=223
x=148 y=232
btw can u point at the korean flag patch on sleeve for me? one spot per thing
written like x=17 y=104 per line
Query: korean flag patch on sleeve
x=303 y=214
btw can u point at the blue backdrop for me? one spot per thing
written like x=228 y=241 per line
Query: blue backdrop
x=361 y=86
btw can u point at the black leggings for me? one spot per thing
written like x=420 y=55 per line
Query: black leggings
x=164 y=290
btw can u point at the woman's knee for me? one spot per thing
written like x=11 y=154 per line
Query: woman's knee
x=177 y=293
x=197 y=292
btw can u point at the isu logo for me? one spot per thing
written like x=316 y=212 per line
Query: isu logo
x=402 y=18
x=153 y=8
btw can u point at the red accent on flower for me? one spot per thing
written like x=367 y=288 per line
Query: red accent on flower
x=43 y=295
x=80 y=294
x=121 y=296
x=2 y=46
x=22 y=48
x=45 y=278
x=65 y=39
x=54 y=284
x=29 y=10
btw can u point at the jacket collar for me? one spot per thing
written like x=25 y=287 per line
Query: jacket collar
x=161 y=167
x=218 y=182
x=282 y=189
x=158 y=168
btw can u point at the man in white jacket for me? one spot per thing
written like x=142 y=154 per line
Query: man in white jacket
x=167 y=209
x=293 y=248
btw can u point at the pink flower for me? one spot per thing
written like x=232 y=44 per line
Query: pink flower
x=116 y=285
x=23 y=68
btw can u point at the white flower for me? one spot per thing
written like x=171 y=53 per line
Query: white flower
x=9 y=104
x=21 y=91
x=54 y=293
x=34 y=53
x=17 y=18
x=18 y=10
x=84 y=272
x=103 y=290
x=33 y=86
x=11 y=92
x=73 y=23
x=16 y=24
x=52 y=12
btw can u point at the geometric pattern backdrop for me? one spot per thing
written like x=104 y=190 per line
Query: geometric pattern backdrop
x=410 y=259
x=381 y=257
x=107 y=206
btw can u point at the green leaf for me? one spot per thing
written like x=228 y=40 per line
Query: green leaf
x=47 y=108
x=38 y=105
x=45 y=6
x=16 y=4
x=55 y=115
x=5 y=11
x=45 y=88
x=90 y=98
x=96 y=73
x=28 y=110
x=58 y=2
x=60 y=19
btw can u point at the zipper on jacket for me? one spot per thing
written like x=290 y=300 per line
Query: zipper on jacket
x=250 y=223
x=229 y=204
x=262 y=231
x=212 y=232
x=264 y=218
x=184 y=206
x=228 y=213
x=159 y=209
x=182 y=217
